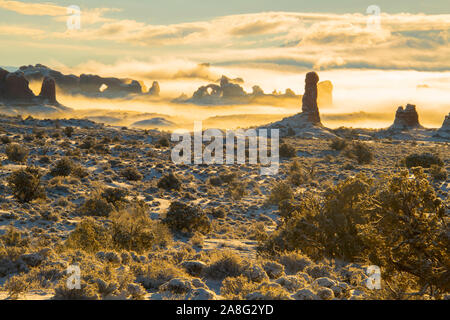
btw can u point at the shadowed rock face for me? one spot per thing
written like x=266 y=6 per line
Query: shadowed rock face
x=309 y=100
x=86 y=84
x=16 y=87
x=407 y=118
x=445 y=126
x=48 y=90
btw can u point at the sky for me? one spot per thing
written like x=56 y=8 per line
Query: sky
x=183 y=44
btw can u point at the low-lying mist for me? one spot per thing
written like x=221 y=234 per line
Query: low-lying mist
x=361 y=98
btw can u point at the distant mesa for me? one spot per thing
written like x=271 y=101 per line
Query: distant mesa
x=407 y=118
x=88 y=84
x=229 y=91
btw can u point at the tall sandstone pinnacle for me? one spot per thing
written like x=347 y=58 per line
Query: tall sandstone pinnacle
x=309 y=100
x=48 y=90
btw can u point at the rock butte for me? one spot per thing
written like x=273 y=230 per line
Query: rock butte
x=407 y=118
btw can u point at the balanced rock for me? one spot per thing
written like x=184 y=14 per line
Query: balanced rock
x=407 y=118
x=48 y=90
x=309 y=100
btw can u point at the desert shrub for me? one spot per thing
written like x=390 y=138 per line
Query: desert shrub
x=115 y=196
x=132 y=229
x=424 y=160
x=157 y=272
x=26 y=184
x=287 y=151
x=15 y=286
x=88 y=143
x=44 y=159
x=294 y=261
x=328 y=228
x=218 y=212
x=298 y=175
x=89 y=236
x=237 y=288
x=361 y=152
x=13 y=237
x=79 y=171
x=241 y=288
x=215 y=181
x=396 y=223
x=87 y=291
x=16 y=152
x=225 y=263
x=438 y=173
x=187 y=218
x=131 y=174
x=338 y=144
x=63 y=167
x=163 y=142
x=280 y=191
x=68 y=131
x=169 y=182
x=96 y=206
x=409 y=232
x=228 y=177
x=39 y=133
x=5 y=139
x=237 y=190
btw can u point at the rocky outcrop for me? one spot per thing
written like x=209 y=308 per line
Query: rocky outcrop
x=310 y=110
x=155 y=89
x=48 y=90
x=305 y=124
x=407 y=118
x=16 y=93
x=16 y=87
x=86 y=84
x=444 y=131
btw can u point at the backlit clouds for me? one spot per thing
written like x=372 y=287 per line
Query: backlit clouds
x=299 y=40
x=59 y=13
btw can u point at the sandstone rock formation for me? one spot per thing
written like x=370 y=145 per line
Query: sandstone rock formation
x=86 y=84
x=15 y=92
x=48 y=90
x=307 y=123
x=310 y=109
x=444 y=131
x=16 y=87
x=407 y=118
x=155 y=89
